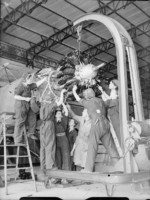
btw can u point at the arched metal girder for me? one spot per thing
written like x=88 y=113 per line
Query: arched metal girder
x=117 y=31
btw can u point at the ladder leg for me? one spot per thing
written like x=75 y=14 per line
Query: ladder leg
x=16 y=156
x=30 y=161
x=5 y=170
x=5 y=155
x=17 y=161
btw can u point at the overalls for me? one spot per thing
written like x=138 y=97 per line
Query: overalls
x=47 y=136
x=23 y=113
x=100 y=130
x=62 y=144
x=113 y=114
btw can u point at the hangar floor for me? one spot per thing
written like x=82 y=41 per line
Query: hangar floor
x=74 y=191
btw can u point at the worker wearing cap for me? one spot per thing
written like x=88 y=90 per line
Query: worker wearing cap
x=99 y=127
x=62 y=142
x=47 y=133
x=22 y=107
x=112 y=104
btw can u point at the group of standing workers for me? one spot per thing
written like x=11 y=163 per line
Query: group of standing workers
x=62 y=146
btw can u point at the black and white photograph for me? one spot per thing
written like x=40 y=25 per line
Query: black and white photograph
x=74 y=99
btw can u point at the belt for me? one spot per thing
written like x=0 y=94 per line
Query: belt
x=60 y=134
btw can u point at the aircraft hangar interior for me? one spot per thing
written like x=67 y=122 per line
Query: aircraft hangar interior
x=75 y=99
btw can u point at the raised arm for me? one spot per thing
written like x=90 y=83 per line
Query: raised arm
x=75 y=93
x=18 y=97
x=104 y=96
x=60 y=101
x=65 y=109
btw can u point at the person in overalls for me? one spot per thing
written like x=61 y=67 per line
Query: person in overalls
x=80 y=147
x=72 y=134
x=47 y=133
x=112 y=104
x=23 y=113
x=100 y=129
x=62 y=143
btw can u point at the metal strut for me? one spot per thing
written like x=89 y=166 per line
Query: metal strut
x=79 y=29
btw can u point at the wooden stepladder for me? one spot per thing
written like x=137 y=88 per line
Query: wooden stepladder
x=4 y=118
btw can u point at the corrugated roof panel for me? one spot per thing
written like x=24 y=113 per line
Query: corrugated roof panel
x=89 y=38
x=73 y=42
x=88 y=5
x=14 y=41
x=105 y=57
x=36 y=26
x=143 y=40
x=123 y=22
x=65 y=9
x=52 y=55
x=62 y=49
x=144 y=5
x=100 y=30
x=112 y=51
x=48 y=17
x=25 y=34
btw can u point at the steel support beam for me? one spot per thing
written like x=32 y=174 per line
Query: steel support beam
x=19 y=55
x=26 y=7
x=104 y=46
x=143 y=52
x=144 y=27
x=68 y=31
x=144 y=69
x=12 y=21
x=31 y=44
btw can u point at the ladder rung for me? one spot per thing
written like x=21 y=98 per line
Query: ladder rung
x=15 y=156
x=21 y=180
x=14 y=167
x=9 y=165
x=24 y=168
x=10 y=125
x=13 y=145
x=10 y=135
